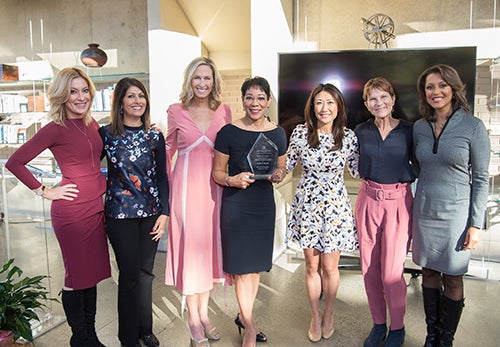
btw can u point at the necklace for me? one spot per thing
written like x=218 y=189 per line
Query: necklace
x=440 y=122
x=252 y=127
x=84 y=132
x=440 y=125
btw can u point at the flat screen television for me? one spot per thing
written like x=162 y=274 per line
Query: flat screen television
x=299 y=73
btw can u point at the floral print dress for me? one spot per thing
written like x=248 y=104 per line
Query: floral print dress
x=321 y=216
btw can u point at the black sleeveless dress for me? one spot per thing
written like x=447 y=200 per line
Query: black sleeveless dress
x=247 y=215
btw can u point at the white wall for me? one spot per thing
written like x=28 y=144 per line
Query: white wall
x=486 y=40
x=169 y=54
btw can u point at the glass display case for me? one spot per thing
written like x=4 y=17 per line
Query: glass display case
x=26 y=235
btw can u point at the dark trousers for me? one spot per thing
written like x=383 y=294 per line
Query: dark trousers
x=135 y=253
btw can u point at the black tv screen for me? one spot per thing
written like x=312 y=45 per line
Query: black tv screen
x=299 y=73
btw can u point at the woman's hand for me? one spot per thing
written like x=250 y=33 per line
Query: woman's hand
x=156 y=127
x=65 y=192
x=278 y=175
x=159 y=227
x=241 y=180
x=472 y=238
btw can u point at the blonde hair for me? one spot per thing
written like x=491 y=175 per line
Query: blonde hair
x=59 y=92
x=187 y=95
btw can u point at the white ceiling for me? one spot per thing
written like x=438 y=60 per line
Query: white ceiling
x=223 y=25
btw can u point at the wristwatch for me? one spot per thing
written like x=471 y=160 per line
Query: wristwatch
x=40 y=190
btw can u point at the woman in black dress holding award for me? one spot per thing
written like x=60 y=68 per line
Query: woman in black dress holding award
x=248 y=209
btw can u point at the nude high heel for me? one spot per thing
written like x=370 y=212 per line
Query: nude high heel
x=200 y=343
x=327 y=333
x=313 y=337
x=213 y=334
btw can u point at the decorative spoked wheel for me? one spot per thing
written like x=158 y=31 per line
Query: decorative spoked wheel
x=378 y=29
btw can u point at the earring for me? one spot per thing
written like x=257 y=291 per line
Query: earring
x=121 y=110
x=266 y=115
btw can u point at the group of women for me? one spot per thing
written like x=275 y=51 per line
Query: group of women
x=133 y=214
x=447 y=150
x=221 y=225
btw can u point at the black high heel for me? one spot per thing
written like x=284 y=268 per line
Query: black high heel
x=260 y=337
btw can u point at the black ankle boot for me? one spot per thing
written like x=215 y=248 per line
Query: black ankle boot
x=90 y=302
x=377 y=336
x=451 y=311
x=73 y=304
x=431 y=308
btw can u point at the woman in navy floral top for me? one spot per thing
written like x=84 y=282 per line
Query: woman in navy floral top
x=136 y=206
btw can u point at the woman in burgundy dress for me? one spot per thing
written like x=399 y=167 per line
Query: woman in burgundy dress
x=77 y=210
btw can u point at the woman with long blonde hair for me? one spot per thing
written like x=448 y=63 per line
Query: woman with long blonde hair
x=77 y=209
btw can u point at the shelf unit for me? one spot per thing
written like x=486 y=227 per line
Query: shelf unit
x=21 y=121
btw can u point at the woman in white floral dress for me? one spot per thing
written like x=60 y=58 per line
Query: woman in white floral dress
x=321 y=219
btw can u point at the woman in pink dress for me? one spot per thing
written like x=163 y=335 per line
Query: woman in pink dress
x=194 y=256
x=77 y=209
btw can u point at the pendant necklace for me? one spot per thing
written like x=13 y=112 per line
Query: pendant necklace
x=84 y=132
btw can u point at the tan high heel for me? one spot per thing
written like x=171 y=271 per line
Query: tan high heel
x=200 y=343
x=327 y=333
x=313 y=337
x=213 y=334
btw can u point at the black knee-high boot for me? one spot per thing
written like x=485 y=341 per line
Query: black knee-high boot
x=89 y=300
x=73 y=304
x=431 y=308
x=451 y=311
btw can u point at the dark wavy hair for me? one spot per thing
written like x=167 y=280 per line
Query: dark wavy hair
x=452 y=78
x=339 y=123
x=121 y=88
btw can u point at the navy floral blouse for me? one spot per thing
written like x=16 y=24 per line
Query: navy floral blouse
x=137 y=184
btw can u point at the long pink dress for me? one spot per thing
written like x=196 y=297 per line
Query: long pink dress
x=194 y=255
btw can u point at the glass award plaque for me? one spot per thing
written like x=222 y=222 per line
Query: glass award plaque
x=262 y=158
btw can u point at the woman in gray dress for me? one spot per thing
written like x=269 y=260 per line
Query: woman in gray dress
x=452 y=149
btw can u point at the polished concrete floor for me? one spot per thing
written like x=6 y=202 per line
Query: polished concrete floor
x=281 y=311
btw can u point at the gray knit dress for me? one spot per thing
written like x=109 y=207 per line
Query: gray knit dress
x=452 y=190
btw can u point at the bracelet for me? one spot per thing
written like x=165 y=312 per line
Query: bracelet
x=40 y=191
x=226 y=181
x=281 y=170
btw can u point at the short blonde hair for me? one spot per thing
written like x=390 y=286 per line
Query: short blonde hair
x=59 y=92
